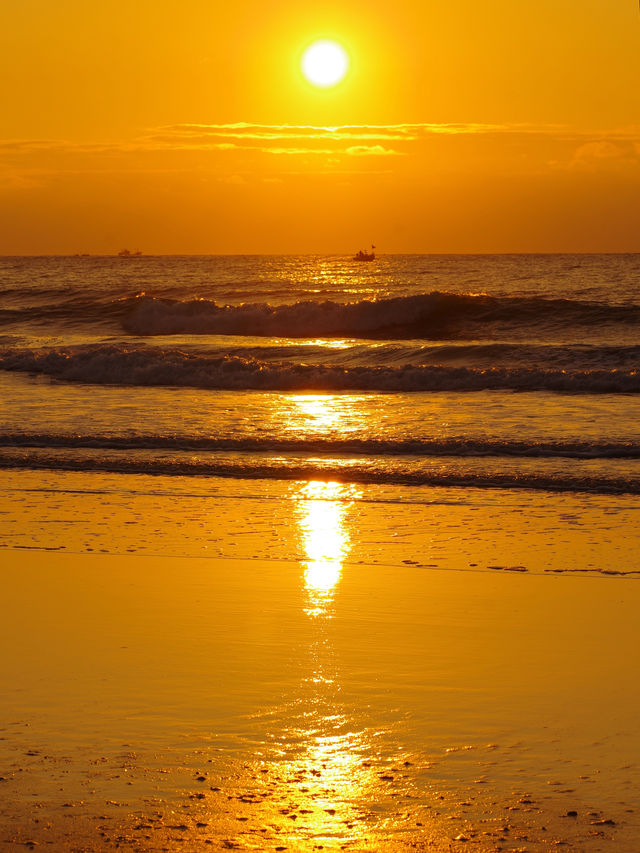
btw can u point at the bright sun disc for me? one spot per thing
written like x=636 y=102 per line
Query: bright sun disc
x=325 y=63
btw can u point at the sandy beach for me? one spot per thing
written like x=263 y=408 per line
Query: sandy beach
x=161 y=702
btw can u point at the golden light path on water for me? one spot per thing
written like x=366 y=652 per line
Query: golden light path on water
x=324 y=411
x=321 y=783
x=318 y=781
x=322 y=516
x=325 y=540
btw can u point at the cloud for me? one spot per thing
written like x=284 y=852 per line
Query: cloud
x=233 y=148
x=285 y=139
x=605 y=154
x=280 y=132
x=369 y=150
x=266 y=139
x=344 y=140
x=244 y=131
x=374 y=140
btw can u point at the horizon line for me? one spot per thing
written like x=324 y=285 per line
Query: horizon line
x=134 y=258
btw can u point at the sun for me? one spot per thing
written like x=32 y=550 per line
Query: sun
x=325 y=63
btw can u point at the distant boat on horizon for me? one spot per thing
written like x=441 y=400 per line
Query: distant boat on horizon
x=126 y=253
x=365 y=256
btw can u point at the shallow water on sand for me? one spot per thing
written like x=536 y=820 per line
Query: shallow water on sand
x=334 y=524
x=324 y=696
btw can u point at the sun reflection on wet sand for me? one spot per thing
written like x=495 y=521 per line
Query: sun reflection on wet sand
x=325 y=541
x=325 y=788
x=332 y=785
x=332 y=790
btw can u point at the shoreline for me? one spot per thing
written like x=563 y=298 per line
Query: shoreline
x=453 y=529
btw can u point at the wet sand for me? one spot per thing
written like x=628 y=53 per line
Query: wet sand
x=166 y=703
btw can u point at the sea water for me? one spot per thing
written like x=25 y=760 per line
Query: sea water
x=494 y=371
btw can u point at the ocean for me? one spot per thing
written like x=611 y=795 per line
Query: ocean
x=492 y=372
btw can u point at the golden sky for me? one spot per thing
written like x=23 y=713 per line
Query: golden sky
x=187 y=127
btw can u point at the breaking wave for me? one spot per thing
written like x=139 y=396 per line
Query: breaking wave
x=437 y=315
x=322 y=469
x=455 y=446
x=113 y=364
x=433 y=315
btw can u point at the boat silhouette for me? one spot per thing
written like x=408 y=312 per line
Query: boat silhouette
x=365 y=256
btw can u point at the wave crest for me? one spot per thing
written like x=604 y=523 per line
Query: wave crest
x=451 y=446
x=324 y=470
x=112 y=364
x=432 y=315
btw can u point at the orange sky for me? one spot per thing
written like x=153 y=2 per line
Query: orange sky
x=187 y=127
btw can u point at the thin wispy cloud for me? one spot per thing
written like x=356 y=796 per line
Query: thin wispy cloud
x=404 y=132
x=273 y=132
x=242 y=131
x=234 y=148
x=285 y=139
x=373 y=140
x=356 y=140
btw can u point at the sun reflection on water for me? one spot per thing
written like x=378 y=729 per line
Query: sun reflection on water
x=325 y=541
x=320 y=775
x=329 y=343
x=324 y=410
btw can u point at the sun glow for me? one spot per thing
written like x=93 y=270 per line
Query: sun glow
x=325 y=63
